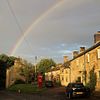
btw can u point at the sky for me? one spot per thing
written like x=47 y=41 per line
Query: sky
x=47 y=28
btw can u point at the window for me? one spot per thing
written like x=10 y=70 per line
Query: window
x=99 y=75
x=66 y=79
x=62 y=78
x=62 y=70
x=66 y=72
x=98 y=52
x=79 y=79
x=77 y=63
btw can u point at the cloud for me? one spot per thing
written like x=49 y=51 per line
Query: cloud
x=65 y=52
x=63 y=30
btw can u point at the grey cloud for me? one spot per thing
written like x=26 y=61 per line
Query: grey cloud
x=66 y=28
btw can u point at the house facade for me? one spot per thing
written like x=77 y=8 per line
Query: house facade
x=84 y=66
x=12 y=74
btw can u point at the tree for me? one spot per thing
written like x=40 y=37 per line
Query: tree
x=4 y=58
x=44 y=65
x=7 y=60
x=10 y=61
x=26 y=70
x=92 y=80
x=2 y=74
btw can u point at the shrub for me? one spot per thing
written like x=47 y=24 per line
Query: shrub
x=19 y=82
x=93 y=80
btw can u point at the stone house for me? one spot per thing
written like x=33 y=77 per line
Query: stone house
x=59 y=73
x=79 y=68
x=86 y=61
x=12 y=74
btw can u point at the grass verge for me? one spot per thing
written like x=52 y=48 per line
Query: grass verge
x=26 y=88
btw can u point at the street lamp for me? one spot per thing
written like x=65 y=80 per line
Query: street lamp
x=35 y=66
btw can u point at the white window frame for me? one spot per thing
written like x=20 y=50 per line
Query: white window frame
x=98 y=52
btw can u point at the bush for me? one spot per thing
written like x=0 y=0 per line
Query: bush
x=19 y=82
x=93 y=80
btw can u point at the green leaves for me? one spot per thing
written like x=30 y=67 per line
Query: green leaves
x=92 y=79
x=7 y=60
x=45 y=64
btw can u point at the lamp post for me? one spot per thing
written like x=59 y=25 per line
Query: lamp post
x=35 y=66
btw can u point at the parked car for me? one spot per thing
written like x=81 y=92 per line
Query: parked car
x=76 y=90
x=49 y=84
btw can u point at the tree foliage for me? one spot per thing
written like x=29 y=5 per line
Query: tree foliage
x=7 y=60
x=45 y=64
x=2 y=74
x=10 y=61
x=4 y=58
x=27 y=71
x=92 y=80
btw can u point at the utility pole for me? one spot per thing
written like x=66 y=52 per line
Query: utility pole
x=35 y=67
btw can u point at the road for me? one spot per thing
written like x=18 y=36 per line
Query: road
x=50 y=94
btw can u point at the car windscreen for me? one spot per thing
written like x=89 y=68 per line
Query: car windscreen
x=78 y=85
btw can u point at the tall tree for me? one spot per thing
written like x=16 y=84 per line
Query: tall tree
x=26 y=70
x=8 y=60
x=44 y=65
x=92 y=80
x=2 y=74
x=4 y=58
x=5 y=62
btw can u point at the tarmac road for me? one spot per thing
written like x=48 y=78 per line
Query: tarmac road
x=5 y=95
x=50 y=94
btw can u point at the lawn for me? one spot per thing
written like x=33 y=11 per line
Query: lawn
x=26 y=88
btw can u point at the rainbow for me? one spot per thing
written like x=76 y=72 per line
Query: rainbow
x=34 y=24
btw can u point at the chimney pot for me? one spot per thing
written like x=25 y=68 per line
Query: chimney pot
x=65 y=58
x=75 y=53
x=82 y=49
x=97 y=37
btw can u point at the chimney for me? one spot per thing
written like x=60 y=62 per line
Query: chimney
x=82 y=49
x=97 y=37
x=75 y=53
x=65 y=59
